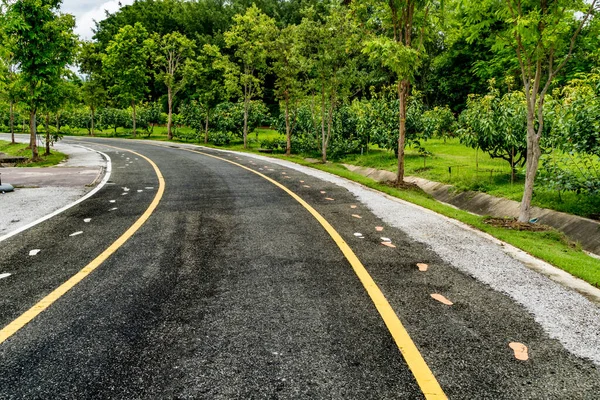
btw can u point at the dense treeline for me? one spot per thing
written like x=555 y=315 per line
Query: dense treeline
x=514 y=78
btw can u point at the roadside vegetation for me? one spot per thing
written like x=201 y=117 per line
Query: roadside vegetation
x=22 y=150
x=501 y=97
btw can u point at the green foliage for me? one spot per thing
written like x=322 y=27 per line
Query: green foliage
x=43 y=44
x=113 y=118
x=126 y=64
x=497 y=125
x=439 y=122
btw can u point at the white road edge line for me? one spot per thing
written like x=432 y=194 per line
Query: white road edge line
x=60 y=210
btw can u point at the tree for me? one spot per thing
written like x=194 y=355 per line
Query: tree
x=43 y=45
x=391 y=27
x=92 y=90
x=205 y=82
x=250 y=39
x=543 y=35
x=173 y=51
x=126 y=63
x=497 y=125
x=287 y=67
x=329 y=44
x=12 y=90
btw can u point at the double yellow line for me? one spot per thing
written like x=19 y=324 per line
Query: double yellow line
x=419 y=368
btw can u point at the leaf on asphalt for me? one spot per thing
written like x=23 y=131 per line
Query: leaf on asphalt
x=356 y=216
x=422 y=267
x=520 y=351
x=441 y=299
x=388 y=244
x=379 y=228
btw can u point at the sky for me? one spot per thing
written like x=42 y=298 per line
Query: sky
x=86 y=11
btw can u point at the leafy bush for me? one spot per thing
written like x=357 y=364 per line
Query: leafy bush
x=113 y=118
x=497 y=125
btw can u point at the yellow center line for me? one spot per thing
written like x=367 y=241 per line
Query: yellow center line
x=57 y=293
x=419 y=368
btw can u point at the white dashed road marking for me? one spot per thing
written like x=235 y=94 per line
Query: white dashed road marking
x=76 y=233
x=34 y=252
x=4 y=275
x=86 y=220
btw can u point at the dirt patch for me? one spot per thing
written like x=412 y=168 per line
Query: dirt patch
x=403 y=185
x=512 y=223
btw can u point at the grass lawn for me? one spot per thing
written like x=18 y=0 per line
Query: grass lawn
x=20 y=149
x=468 y=169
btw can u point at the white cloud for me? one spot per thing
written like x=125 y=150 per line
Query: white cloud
x=88 y=11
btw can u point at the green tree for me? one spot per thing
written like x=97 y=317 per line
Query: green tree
x=329 y=44
x=173 y=51
x=392 y=26
x=126 y=64
x=288 y=66
x=250 y=39
x=205 y=83
x=43 y=45
x=543 y=35
x=92 y=90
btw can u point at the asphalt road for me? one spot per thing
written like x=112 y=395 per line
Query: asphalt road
x=231 y=289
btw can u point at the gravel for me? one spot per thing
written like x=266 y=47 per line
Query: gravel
x=564 y=314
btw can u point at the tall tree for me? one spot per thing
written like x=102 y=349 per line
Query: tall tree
x=205 y=82
x=543 y=34
x=329 y=44
x=44 y=44
x=173 y=49
x=92 y=90
x=392 y=26
x=288 y=66
x=126 y=64
x=250 y=39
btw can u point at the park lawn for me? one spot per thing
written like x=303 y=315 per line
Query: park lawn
x=468 y=169
x=20 y=149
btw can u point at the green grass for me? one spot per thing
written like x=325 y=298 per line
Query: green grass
x=20 y=149
x=468 y=169
x=550 y=246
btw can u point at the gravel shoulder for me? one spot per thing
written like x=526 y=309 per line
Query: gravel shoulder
x=43 y=191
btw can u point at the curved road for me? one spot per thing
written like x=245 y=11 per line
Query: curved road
x=229 y=288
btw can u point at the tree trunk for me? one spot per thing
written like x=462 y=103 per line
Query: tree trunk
x=206 y=126
x=533 y=158
x=93 y=116
x=32 y=136
x=402 y=98
x=288 y=131
x=170 y=113
x=246 y=106
x=47 y=153
x=323 y=142
x=12 y=122
x=133 y=107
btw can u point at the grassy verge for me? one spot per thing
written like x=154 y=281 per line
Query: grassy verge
x=21 y=150
x=468 y=169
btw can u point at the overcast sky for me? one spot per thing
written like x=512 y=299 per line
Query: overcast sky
x=86 y=11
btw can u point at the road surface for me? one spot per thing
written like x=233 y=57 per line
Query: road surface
x=200 y=274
